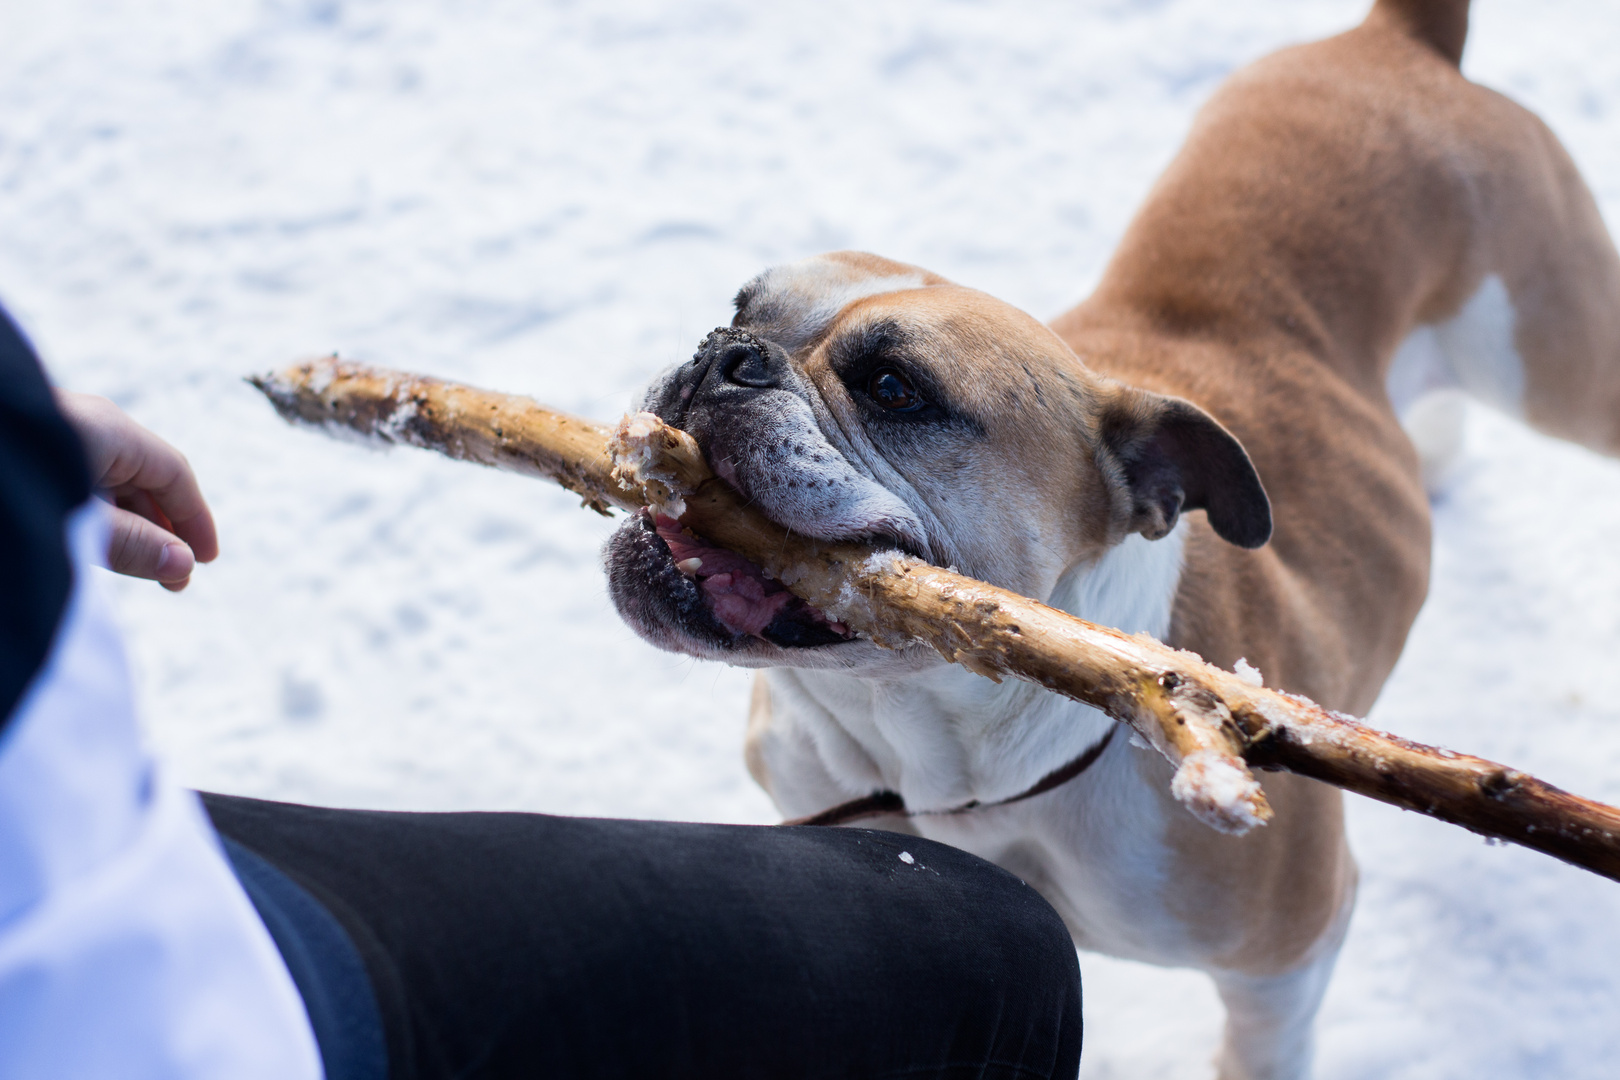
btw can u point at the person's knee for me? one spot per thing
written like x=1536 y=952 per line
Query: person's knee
x=1019 y=941
x=984 y=947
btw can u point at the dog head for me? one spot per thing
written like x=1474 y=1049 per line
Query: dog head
x=854 y=397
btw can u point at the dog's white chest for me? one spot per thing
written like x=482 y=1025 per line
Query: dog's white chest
x=943 y=736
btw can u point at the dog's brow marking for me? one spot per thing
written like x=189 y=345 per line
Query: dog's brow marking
x=799 y=301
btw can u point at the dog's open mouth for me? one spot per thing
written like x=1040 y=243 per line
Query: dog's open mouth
x=715 y=592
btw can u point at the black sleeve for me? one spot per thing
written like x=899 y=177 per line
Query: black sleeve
x=43 y=477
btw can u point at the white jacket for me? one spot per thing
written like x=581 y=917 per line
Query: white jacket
x=127 y=948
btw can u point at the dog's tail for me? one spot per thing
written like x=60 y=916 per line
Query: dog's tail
x=1440 y=24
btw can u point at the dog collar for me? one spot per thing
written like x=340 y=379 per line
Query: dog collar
x=886 y=803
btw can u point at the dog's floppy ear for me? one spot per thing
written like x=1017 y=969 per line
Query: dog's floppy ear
x=1173 y=456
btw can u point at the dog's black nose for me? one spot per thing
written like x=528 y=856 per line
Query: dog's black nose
x=742 y=359
x=746 y=364
x=729 y=362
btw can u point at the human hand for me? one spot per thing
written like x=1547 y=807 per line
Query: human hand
x=161 y=526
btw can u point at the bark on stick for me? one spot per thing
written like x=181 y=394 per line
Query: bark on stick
x=1210 y=723
x=504 y=431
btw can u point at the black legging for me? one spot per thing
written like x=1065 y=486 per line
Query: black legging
x=524 y=945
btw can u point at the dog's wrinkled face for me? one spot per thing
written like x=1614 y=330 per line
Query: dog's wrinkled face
x=854 y=397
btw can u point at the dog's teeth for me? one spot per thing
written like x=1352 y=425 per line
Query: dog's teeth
x=689 y=567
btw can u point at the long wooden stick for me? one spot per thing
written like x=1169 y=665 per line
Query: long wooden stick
x=1211 y=724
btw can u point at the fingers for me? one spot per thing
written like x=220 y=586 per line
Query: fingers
x=140 y=548
x=147 y=477
x=165 y=493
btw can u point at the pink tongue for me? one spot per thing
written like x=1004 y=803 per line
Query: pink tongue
x=741 y=596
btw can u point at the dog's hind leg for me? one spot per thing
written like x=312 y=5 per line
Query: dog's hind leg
x=1539 y=334
x=1528 y=321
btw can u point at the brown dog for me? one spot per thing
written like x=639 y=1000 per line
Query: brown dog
x=1332 y=201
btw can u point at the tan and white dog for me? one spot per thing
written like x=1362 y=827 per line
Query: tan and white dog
x=1332 y=202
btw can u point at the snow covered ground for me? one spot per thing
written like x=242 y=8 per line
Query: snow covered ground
x=559 y=198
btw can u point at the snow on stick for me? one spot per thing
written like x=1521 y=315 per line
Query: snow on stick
x=1212 y=725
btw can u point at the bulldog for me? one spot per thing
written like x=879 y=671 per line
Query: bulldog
x=1206 y=450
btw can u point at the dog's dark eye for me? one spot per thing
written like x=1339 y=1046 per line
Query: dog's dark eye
x=890 y=389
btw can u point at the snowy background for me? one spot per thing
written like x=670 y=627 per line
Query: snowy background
x=560 y=198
